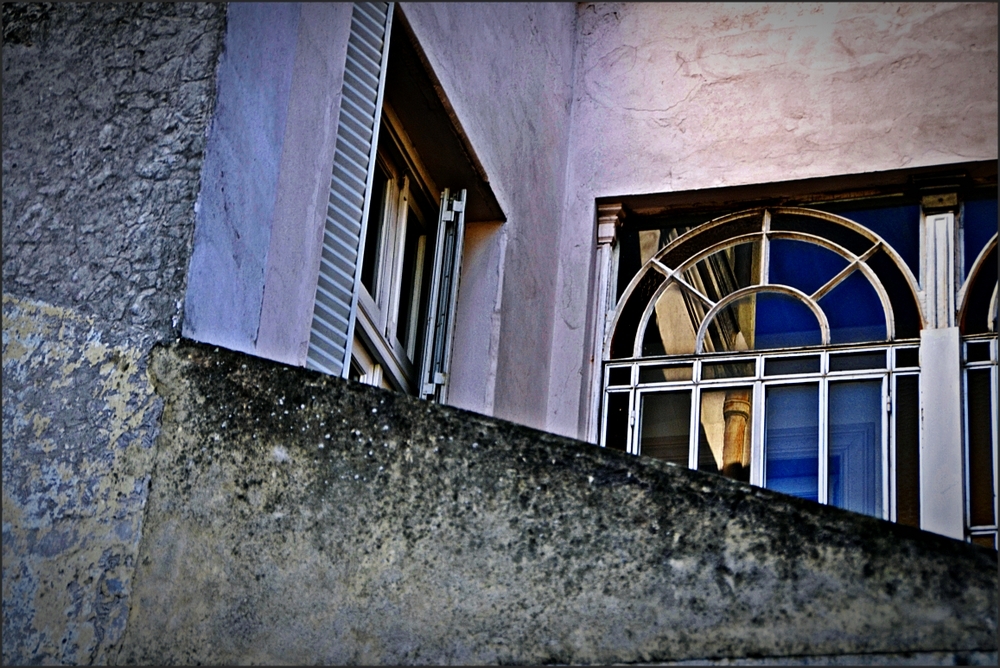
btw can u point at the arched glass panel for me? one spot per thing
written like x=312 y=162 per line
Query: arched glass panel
x=673 y=324
x=802 y=265
x=978 y=313
x=760 y=321
x=898 y=225
x=726 y=271
x=854 y=311
x=979 y=224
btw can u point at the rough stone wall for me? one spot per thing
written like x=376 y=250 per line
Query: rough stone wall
x=297 y=518
x=105 y=109
x=683 y=96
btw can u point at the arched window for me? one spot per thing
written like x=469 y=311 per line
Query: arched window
x=777 y=346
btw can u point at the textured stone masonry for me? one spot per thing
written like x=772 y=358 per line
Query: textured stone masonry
x=298 y=518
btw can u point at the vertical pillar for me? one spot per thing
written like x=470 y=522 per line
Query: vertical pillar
x=609 y=219
x=942 y=504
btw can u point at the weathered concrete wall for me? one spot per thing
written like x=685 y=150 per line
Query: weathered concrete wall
x=104 y=116
x=297 y=518
x=674 y=97
x=507 y=70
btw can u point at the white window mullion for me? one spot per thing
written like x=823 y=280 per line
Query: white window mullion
x=887 y=488
x=757 y=435
x=824 y=442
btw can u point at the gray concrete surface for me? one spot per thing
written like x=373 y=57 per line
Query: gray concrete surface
x=296 y=518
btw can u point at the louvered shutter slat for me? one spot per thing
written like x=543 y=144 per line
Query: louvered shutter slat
x=350 y=189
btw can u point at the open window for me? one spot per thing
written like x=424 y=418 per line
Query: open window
x=405 y=180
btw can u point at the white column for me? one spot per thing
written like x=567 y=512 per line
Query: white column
x=942 y=498
x=609 y=219
x=942 y=494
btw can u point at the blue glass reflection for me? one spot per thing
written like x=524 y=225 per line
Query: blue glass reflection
x=854 y=311
x=802 y=265
x=898 y=225
x=856 y=446
x=979 y=222
x=784 y=321
x=791 y=440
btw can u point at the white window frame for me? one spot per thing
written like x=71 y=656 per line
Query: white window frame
x=377 y=315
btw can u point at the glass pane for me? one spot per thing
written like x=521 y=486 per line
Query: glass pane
x=980 y=437
x=791 y=440
x=802 y=265
x=977 y=318
x=986 y=540
x=979 y=224
x=712 y=370
x=780 y=366
x=666 y=426
x=857 y=361
x=672 y=326
x=898 y=225
x=855 y=463
x=373 y=234
x=664 y=373
x=977 y=351
x=908 y=357
x=616 y=427
x=854 y=311
x=620 y=376
x=760 y=321
x=784 y=322
x=623 y=339
x=408 y=316
x=724 y=433
x=904 y=304
x=907 y=416
x=835 y=232
x=726 y=271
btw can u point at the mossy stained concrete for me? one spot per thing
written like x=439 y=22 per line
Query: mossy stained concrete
x=297 y=518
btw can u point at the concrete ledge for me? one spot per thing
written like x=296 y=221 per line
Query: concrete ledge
x=298 y=518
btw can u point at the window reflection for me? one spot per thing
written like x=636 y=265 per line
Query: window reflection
x=666 y=420
x=724 y=437
x=791 y=440
x=855 y=463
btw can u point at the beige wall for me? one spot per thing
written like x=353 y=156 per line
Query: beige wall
x=676 y=97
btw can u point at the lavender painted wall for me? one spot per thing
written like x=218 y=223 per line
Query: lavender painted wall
x=677 y=97
x=507 y=70
x=239 y=178
x=304 y=183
